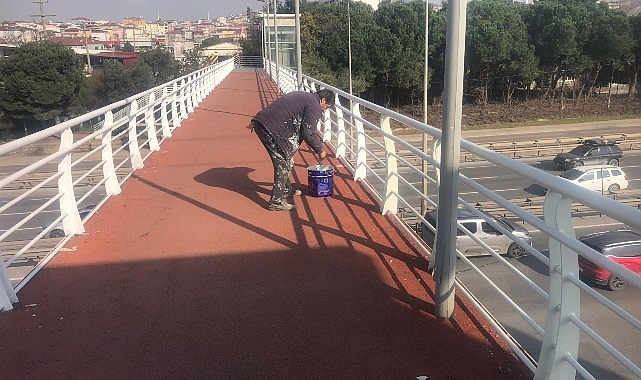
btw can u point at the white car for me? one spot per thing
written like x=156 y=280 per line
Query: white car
x=603 y=178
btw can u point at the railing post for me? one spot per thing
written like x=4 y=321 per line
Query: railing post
x=561 y=337
x=164 y=119
x=134 y=148
x=71 y=223
x=390 y=197
x=341 y=134
x=190 y=94
x=151 y=124
x=360 y=170
x=183 y=99
x=327 y=124
x=8 y=295
x=175 y=117
x=112 y=186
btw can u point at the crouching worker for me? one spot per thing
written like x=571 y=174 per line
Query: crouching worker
x=281 y=127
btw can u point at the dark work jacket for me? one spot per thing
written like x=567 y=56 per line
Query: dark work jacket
x=291 y=119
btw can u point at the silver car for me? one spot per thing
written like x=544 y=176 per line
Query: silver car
x=484 y=231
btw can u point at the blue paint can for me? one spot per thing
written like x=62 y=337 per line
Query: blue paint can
x=320 y=180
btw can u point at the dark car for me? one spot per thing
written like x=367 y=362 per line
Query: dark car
x=621 y=246
x=591 y=152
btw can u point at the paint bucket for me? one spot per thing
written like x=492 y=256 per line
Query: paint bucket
x=320 y=180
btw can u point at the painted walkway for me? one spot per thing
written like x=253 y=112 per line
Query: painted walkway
x=187 y=275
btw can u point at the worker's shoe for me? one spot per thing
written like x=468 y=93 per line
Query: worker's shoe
x=283 y=205
x=294 y=193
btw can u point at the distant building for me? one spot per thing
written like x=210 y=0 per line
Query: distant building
x=222 y=50
x=126 y=58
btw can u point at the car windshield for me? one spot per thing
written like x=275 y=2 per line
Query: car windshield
x=581 y=150
x=571 y=174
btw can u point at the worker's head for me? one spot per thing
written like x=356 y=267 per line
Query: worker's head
x=326 y=98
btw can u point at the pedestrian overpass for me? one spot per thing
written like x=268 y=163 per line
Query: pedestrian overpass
x=180 y=271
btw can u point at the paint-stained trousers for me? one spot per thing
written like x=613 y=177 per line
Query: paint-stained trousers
x=282 y=165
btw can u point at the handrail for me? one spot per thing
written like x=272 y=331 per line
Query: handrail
x=90 y=167
x=389 y=168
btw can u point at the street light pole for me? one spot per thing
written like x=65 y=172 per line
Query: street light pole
x=349 y=48
x=426 y=137
x=351 y=89
x=276 y=43
x=269 y=39
x=299 y=64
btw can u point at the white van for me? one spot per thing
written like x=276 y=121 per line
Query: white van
x=603 y=178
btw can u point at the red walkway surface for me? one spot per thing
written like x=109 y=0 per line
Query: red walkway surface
x=186 y=275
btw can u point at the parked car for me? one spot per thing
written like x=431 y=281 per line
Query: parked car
x=591 y=152
x=483 y=230
x=621 y=246
x=58 y=231
x=603 y=178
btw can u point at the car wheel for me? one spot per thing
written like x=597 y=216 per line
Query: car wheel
x=57 y=233
x=515 y=250
x=615 y=283
x=614 y=187
x=613 y=162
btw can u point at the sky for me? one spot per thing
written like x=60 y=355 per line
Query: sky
x=116 y=10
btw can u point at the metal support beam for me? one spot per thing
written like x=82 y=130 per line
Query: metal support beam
x=445 y=249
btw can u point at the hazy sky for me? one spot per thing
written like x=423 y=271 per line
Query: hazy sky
x=116 y=10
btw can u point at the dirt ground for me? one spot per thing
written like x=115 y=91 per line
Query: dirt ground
x=533 y=111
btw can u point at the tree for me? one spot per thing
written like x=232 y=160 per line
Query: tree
x=194 y=60
x=164 y=66
x=140 y=76
x=610 y=43
x=114 y=83
x=128 y=47
x=39 y=82
x=634 y=66
x=406 y=21
x=497 y=47
x=209 y=41
x=252 y=45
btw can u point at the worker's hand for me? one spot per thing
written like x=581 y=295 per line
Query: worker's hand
x=322 y=155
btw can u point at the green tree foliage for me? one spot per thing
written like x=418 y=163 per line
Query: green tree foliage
x=114 y=83
x=141 y=77
x=252 y=45
x=194 y=60
x=39 y=82
x=210 y=41
x=497 y=47
x=406 y=23
x=164 y=66
x=634 y=66
x=128 y=47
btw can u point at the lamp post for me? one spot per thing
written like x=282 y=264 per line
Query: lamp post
x=426 y=137
x=349 y=48
x=276 y=44
x=268 y=34
x=299 y=64
x=349 y=63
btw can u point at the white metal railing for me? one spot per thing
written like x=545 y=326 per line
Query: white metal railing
x=83 y=166
x=368 y=146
